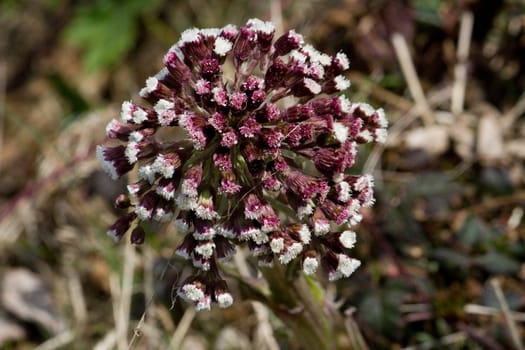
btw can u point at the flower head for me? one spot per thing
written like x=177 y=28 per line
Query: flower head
x=263 y=161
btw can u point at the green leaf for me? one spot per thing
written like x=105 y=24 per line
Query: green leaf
x=473 y=231
x=451 y=258
x=497 y=263
x=106 y=30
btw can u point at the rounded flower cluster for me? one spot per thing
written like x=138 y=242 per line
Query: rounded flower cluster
x=243 y=142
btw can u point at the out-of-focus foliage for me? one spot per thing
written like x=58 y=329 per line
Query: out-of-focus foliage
x=107 y=29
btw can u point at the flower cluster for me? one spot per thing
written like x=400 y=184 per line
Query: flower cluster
x=243 y=142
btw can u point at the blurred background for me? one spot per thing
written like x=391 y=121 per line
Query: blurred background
x=443 y=249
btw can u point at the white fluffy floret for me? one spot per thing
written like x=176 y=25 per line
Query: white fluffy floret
x=340 y=132
x=345 y=104
x=107 y=166
x=342 y=59
x=343 y=191
x=135 y=136
x=316 y=56
x=151 y=86
x=125 y=111
x=304 y=234
x=147 y=173
x=132 y=151
x=112 y=125
x=222 y=46
x=191 y=292
x=191 y=35
x=306 y=210
x=224 y=300
x=348 y=239
x=260 y=237
x=380 y=135
x=346 y=266
x=321 y=228
x=163 y=105
x=205 y=212
x=310 y=265
x=205 y=249
x=277 y=245
x=341 y=83
x=143 y=213
x=291 y=253
x=185 y=202
x=265 y=27
x=204 y=303
x=312 y=86
x=162 y=166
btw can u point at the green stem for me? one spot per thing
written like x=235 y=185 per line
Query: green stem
x=300 y=304
x=293 y=301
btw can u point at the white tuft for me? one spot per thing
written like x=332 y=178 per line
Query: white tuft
x=261 y=26
x=107 y=166
x=340 y=132
x=162 y=215
x=135 y=136
x=205 y=249
x=203 y=304
x=310 y=265
x=225 y=232
x=306 y=210
x=277 y=245
x=345 y=104
x=291 y=253
x=347 y=265
x=365 y=107
x=341 y=83
x=183 y=252
x=139 y=115
x=312 y=86
x=222 y=46
x=343 y=60
x=210 y=32
x=205 y=212
x=163 y=105
x=224 y=300
x=185 y=202
x=348 y=239
x=298 y=56
x=305 y=234
x=191 y=292
x=125 y=111
x=381 y=118
x=380 y=135
x=343 y=191
x=113 y=124
x=321 y=228
x=191 y=35
x=147 y=173
x=143 y=213
x=165 y=193
x=161 y=166
x=366 y=135
x=260 y=236
x=151 y=85
x=113 y=235
x=316 y=56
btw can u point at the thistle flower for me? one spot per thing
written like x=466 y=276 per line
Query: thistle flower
x=267 y=138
